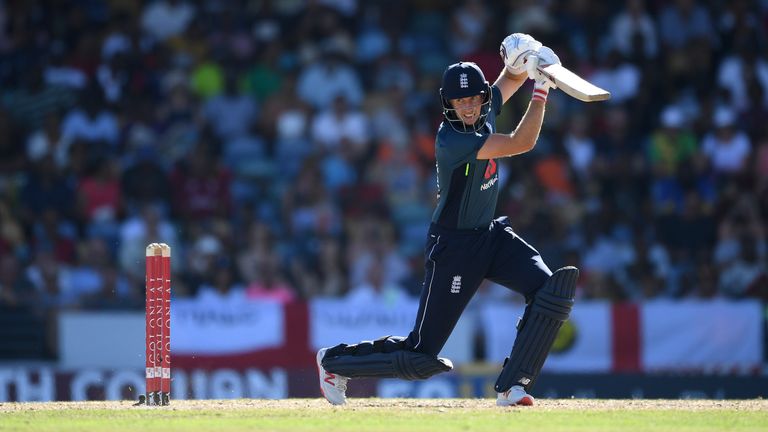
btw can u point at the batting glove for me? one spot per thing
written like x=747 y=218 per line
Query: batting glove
x=515 y=49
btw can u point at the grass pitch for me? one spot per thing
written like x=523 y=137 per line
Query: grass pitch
x=389 y=415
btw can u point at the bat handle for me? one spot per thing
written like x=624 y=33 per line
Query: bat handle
x=531 y=64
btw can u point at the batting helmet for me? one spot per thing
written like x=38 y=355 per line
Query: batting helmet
x=460 y=80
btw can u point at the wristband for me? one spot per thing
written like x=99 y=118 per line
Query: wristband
x=539 y=94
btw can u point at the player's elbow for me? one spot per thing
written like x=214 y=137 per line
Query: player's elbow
x=523 y=144
x=530 y=144
x=521 y=148
x=499 y=145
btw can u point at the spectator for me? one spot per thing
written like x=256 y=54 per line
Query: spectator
x=230 y=113
x=727 y=147
x=163 y=19
x=307 y=206
x=13 y=285
x=99 y=195
x=207 y=79
x=115 y=293
x=374 y=245
x=92 y=124
x=112 y=76
x=144 y=181
x=47 y=189
x=270 y=284
x=340 y=123
x=742 y=70
x=31 y=103
x=12 y=238
x=748 y=274
x=146 y=226
x=52 y=286
x=633 y=27
x=331 y=269
x=47 y=140
x=468 y=23
x=320 y=83
x=682 y=21
x=375 y=289
x=286 y=121
x=223 y=282
x=259 y=244
x=672 y=144
x=619 y=76
x=579 y=145
x=265 y=79
x=200 y=187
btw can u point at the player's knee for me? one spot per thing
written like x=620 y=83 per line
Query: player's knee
x=361 y=361
x=412 y=365
x=385 y=344
x=556 y=297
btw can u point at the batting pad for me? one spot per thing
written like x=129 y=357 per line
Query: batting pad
x=383 y=358
x=543 y=317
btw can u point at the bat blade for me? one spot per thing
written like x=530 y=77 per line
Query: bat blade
x=574 y=85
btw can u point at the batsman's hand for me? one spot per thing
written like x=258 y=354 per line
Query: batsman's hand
x=543 y=83
x=544 y=57
x=515 y=49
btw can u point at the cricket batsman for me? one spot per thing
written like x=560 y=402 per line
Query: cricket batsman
x=465 y=244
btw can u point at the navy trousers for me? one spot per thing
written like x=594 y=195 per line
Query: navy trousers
x=456 y=263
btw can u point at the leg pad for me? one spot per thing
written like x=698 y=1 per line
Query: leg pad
x=549 y=309
x=383 y=358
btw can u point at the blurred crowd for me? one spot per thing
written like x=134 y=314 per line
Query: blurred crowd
x=285 y=148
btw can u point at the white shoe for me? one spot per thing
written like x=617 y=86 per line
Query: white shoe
x=332 y=386
x=514 y=396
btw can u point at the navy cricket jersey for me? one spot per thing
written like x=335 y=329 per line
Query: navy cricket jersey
x=467 y=188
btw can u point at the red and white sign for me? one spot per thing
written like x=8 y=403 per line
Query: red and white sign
x=210 y=333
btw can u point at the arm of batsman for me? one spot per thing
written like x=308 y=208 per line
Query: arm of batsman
x=515 y=49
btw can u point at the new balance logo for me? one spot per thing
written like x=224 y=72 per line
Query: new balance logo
x=463 y=81
x=329 y=377
x=456 y=285
x=525 y=381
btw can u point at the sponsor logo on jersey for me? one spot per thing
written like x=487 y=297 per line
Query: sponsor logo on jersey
x=490 y=175
x=490 y=169
x=487 y=185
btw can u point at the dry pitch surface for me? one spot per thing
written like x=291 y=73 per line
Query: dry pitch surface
x=415 y=405
x=390 y=414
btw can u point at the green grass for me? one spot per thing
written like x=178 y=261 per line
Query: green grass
x=388 y=415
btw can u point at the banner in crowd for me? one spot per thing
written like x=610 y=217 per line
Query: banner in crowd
x=217 y=325
x=213 y=333
x=708 y=336
x=333 y=321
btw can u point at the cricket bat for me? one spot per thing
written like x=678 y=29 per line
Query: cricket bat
x=573 y=84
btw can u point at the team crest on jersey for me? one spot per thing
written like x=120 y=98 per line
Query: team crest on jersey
x=463 y=81
x=456 y=285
